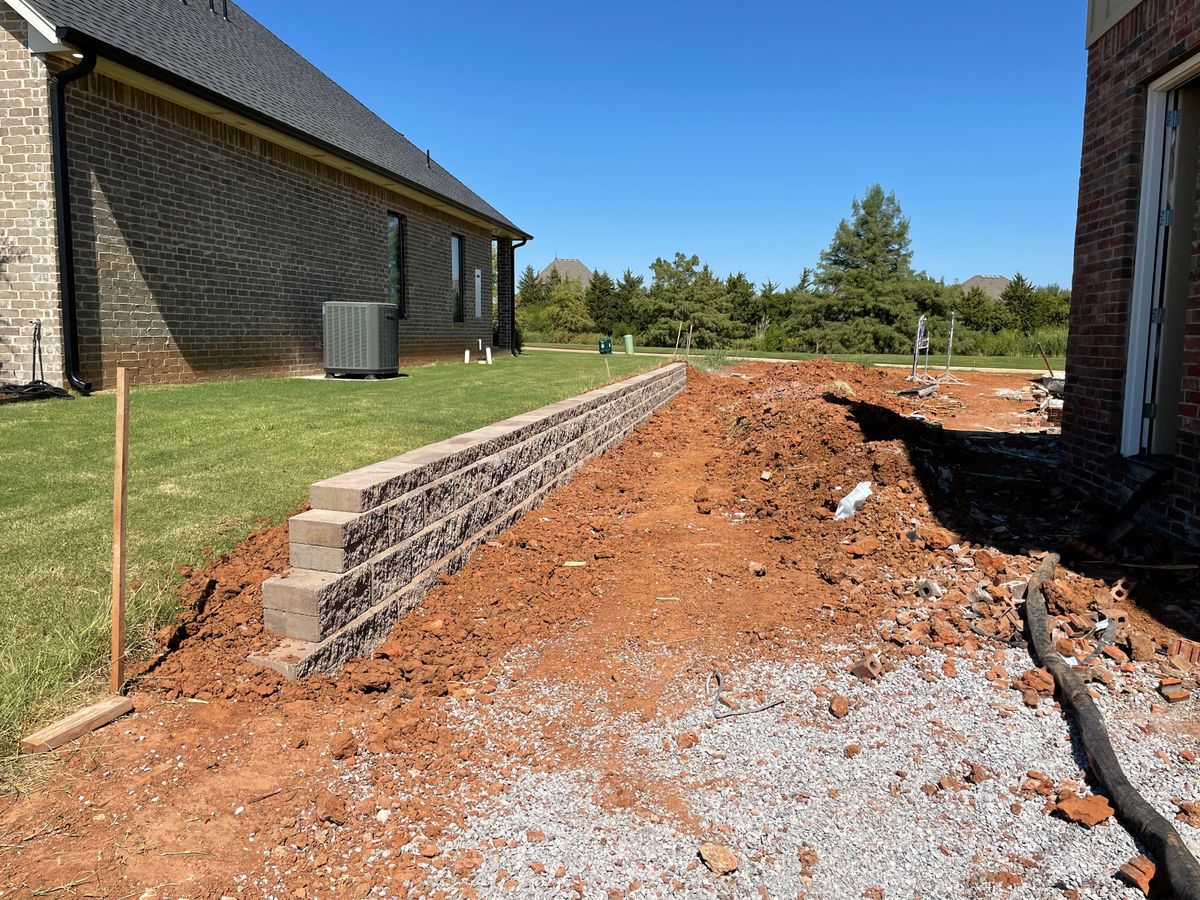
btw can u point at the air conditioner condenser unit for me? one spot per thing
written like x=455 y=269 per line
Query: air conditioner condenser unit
x=361 y=338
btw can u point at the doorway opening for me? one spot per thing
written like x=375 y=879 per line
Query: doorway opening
x=1158 y=314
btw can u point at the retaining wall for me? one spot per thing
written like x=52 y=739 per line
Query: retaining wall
x=376 y=539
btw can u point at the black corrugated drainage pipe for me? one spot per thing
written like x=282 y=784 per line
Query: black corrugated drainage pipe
x=62 y=215
x=1143 y=821
x=512 y=293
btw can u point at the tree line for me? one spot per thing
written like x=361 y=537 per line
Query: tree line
x=863 y=296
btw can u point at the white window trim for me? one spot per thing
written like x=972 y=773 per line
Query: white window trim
x=1151 y=205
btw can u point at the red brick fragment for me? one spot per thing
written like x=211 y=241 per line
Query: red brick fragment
x=1138 y=873
x=1189 y=650
x=1087 y=811
x=867 y=669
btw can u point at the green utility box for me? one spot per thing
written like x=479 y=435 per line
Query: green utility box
x=629 y=345
x=606 y=345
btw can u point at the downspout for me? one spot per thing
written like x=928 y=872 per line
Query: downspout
x=512 y=293
x=62 y=215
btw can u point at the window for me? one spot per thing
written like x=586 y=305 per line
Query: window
x=456 y=275
x=398 y=263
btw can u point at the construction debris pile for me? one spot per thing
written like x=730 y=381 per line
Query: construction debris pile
x=1043 y=402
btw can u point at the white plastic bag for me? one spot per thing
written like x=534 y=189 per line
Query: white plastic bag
x=853 y=501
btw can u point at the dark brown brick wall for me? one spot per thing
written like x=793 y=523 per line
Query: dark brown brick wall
x=505 y=301
x=1154 y=38
x=206 y=252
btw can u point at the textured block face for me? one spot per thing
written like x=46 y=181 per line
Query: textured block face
x=296 y=658
x=452 y=496
x=454 y=491
x=332 y=600
x=406 y=517
x=392 y=571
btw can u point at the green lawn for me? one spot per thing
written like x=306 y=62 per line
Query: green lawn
x=866 y=359
x=206 y=462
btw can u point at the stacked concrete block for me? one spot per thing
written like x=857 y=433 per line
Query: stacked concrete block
x=377 y=538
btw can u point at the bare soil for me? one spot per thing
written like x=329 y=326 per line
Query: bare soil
x=708 y=534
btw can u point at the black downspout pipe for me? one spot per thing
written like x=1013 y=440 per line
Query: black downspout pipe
x=512 y=292
x=62 y=216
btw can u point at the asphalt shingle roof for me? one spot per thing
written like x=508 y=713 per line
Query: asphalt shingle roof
x=992 y=285
x=572 y=269
x=243 y=63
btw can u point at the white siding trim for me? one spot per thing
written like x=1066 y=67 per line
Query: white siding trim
x=43 y=36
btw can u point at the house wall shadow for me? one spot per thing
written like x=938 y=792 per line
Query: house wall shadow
x=1002 y=490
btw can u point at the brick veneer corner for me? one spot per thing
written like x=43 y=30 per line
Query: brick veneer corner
x=1151 y=40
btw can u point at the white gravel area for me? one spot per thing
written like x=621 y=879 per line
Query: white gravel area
x=779 y=786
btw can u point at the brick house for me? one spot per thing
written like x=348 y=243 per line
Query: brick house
x=182 y=192
x=1132 y=414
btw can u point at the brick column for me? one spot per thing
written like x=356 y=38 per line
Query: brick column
x=504 y=292
x=28 y=242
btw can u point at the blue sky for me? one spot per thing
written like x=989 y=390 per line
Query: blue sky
x=617 y=132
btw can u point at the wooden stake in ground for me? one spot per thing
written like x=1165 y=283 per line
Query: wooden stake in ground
x=120 y=467
x=607 y=369
x=688 y=352
x=1046 y=360
x=104 y=711
x=678 y=335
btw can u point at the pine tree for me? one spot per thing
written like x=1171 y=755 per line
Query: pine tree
x=871 y=247
x=629 y=304
x=566 y=313
x=1022 y=303
x=530 y=291
x=682 y=292
x=866 y=291
x=599 y=297
x=979 y=312
x=1054 y=304
x=746 y=306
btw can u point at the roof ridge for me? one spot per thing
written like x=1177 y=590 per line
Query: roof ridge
x=239 y=62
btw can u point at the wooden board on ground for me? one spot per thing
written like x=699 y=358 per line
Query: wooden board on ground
x=76 y=725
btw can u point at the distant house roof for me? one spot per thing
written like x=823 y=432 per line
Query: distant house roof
x=240 y=65
x=571 y=269
x=992 y=285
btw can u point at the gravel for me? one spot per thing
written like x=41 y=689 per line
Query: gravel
x=777 y=786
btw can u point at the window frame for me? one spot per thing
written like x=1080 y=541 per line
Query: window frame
x=400 y=259
x=458 y=301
